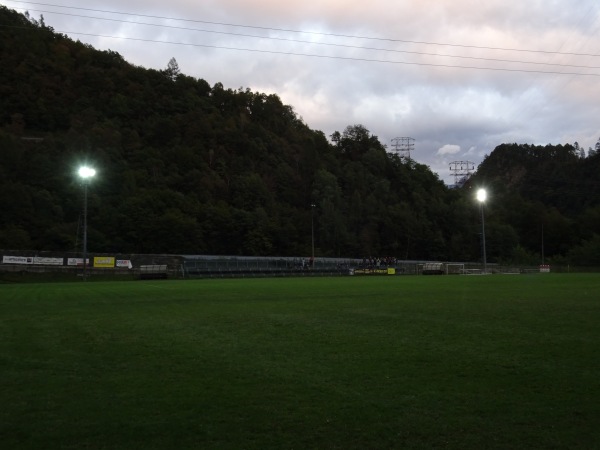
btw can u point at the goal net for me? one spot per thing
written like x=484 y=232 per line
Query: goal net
x=455 y=269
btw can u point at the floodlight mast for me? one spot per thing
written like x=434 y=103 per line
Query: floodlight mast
x=85 y=173
x=312 y=234
x=481 y=198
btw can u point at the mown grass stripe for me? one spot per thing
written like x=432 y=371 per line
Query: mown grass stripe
x=390 y=362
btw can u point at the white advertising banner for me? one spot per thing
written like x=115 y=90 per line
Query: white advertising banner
x=17 y=260
x=48 y=261
x=124 y=263
x=77 y=261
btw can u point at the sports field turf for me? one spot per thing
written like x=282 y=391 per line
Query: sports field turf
x=406 y=362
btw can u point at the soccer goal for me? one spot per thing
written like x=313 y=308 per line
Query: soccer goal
x=455 y=269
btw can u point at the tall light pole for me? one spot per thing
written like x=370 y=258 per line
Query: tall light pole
x=481 y=197
x=86 y=173
x=312 y=233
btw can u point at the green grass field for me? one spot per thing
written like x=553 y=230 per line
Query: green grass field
x=459 y=362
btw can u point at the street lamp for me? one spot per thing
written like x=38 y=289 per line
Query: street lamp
x=312 y=233
x=481 y=197
x=85 y=173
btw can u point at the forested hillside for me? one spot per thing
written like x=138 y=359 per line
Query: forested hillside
x=548 y=197
x=185 y=167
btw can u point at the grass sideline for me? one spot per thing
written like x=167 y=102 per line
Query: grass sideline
x=476 y=362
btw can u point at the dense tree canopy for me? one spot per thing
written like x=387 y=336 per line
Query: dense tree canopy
x=548 y=195
x=184 y=167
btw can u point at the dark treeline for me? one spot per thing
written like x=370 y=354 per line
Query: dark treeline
x=185 y=167
x=545 y=202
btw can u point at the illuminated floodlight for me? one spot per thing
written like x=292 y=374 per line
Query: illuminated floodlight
x=481 y=195
x=86 y=172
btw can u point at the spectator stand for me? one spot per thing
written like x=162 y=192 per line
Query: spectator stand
x=207 y=266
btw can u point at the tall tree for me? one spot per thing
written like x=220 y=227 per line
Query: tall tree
x=172 y=70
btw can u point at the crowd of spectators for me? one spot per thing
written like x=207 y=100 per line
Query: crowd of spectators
x=377 y=262
x=366 y=263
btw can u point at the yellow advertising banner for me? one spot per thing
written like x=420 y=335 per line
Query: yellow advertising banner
x=390 y=271
x=104 y=262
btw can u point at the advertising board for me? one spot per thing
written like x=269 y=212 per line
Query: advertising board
x=48 y=261
x=104 y=262
x=17 y=260
x=77 y=261
x=124 y=263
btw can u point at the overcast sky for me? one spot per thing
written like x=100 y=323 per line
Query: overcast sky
x=458 y=76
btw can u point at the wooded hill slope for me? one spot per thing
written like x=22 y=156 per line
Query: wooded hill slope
x=185 y=167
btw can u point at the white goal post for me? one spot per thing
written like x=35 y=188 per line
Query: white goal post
x=455 y=269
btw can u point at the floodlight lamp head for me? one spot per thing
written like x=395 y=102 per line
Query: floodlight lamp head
x=86 y=172
x=481 y=195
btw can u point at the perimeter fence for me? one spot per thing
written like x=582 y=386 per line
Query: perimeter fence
x=23 y=265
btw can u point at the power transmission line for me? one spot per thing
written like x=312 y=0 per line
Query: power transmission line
x=311 y=32
x=355 y=47
x=313 y=55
